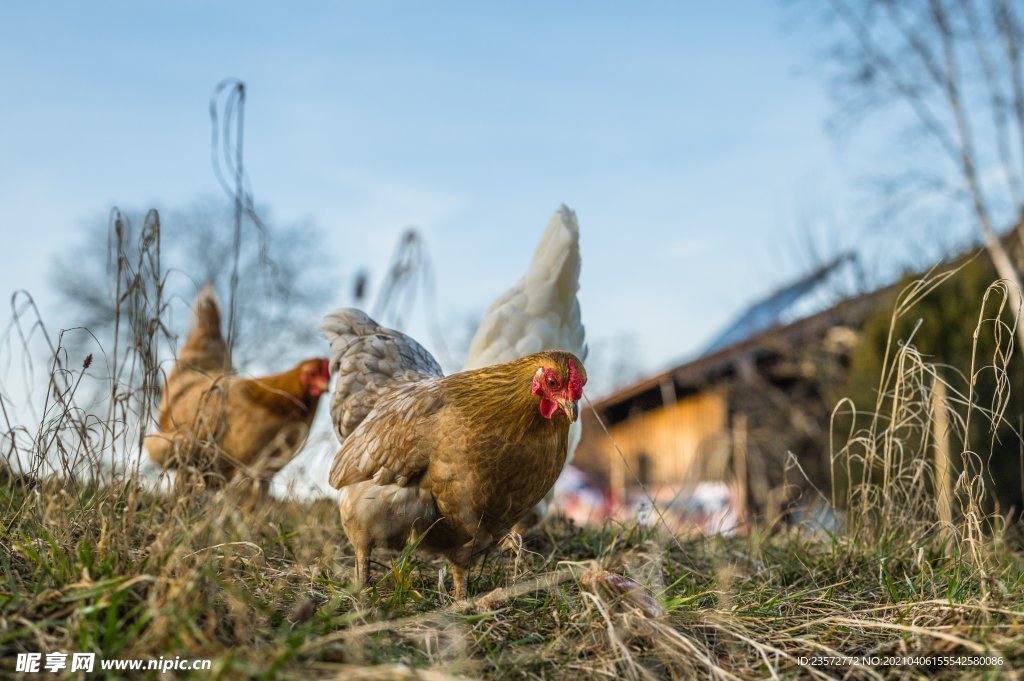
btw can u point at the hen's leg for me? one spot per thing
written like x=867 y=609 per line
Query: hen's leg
x=461 y=559
x=362 y=566
x=460 y=575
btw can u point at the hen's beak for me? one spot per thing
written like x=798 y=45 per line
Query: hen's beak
x=319 y=385
x=571 y=409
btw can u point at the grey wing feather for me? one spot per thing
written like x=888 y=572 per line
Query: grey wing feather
x=393 y=445
x=367 y=358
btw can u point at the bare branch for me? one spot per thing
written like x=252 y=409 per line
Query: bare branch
x=968 y=164
x=1009 y=28
x=997 y=99
x=934 y=58
x=903 y=85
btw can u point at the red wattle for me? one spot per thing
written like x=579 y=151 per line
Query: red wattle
x=548 y=408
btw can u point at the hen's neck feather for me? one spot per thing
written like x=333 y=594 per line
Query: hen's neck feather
x=283 y=392
x=499 y=399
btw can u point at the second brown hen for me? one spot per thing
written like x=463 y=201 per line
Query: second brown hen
x=226 y=426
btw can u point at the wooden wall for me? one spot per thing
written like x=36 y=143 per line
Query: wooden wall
x=680 y=443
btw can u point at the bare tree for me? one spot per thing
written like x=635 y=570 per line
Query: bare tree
x=285 y=281
x=955 y=69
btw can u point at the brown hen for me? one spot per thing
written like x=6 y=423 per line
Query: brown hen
x=229 y=427
x=450 y=462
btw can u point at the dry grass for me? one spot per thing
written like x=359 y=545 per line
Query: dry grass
x=130 y=574
x=92 y=558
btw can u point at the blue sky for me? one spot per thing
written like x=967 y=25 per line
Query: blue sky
x=689 y=138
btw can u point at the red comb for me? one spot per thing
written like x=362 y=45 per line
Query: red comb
x=575 y=382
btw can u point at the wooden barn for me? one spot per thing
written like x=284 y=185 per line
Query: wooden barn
x=733 y=414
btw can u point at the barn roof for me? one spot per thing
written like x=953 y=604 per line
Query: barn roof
x=802 y=298
x=719 y=362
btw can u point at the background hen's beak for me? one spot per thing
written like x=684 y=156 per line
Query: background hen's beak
x=571 y=409
x=318 y=386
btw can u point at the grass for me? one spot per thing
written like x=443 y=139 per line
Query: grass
x=132 y=574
